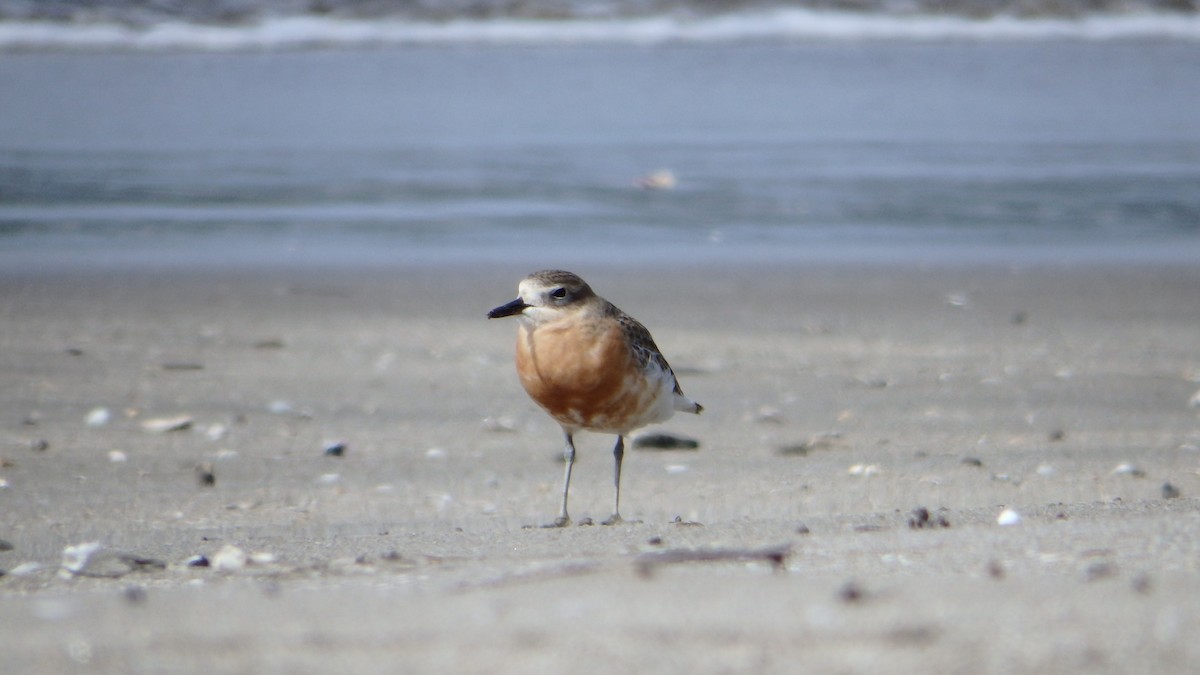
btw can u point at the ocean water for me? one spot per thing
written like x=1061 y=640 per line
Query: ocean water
x=1001 y=139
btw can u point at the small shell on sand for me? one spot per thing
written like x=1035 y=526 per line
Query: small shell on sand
x=1129 y=469
x=160 y=425
x=76 y=558
x=229 y=559
x=93 y=559
x=1008 y=517
x=98 y=417
x=863 y=470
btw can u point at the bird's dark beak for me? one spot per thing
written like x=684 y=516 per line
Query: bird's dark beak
x=515 y=307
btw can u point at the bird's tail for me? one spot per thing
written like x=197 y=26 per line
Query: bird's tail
x=685 y=404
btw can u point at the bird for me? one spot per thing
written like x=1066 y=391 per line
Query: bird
x=590 y=366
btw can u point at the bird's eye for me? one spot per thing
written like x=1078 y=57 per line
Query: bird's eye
x=558 y=293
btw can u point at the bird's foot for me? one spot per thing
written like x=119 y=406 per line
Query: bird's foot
x=561 y=521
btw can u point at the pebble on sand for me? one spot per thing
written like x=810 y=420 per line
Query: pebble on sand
x=863 y=470
x=134 y=594
x=98 y=417
x=161 y=425
x=25 y=569
x=229 y=559
x=922 y=519
x=205 y=474
x=1008 y=517
x=1130 y=469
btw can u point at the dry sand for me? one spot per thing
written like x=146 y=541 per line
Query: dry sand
x=838 y=400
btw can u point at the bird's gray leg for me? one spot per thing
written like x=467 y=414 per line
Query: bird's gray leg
x=618 y=456
x=563 y=519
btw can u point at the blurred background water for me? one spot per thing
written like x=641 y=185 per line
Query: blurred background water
x=362 y=132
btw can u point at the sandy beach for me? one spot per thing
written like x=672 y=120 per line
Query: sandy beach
x=170 y=415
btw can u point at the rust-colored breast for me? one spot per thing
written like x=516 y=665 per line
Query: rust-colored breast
x=580 y=371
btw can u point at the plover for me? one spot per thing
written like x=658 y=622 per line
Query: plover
x=590 y=366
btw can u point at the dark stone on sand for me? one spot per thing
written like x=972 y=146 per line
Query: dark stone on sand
x=1101 y=569
x=921 y=519
x=851 y=592
x=995 y=569
x=5 y=545
x=797 y=450
x=335 y=449
x=205 y=475
x=197 y=561
x=972 y=461
x=662 y=441
x=40 y=445
x=1170 y=491
x=134 y=595
x=1141 y=583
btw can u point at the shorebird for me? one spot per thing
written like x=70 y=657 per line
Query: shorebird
x=590 y=366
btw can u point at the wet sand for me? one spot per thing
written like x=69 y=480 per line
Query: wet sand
x=838 y=400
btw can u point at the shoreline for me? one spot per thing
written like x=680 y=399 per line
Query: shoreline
x=346 y=255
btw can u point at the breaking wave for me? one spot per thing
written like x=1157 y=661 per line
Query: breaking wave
x=782 y=24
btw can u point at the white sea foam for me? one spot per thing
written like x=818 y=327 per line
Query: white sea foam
x=300 y=32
